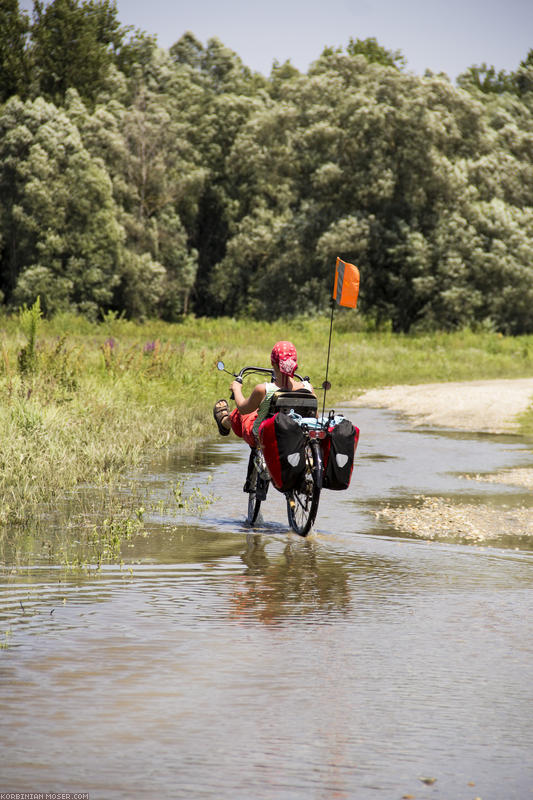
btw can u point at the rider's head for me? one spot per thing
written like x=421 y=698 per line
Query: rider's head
x=284 y=357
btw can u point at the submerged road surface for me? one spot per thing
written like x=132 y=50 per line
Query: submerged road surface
x=361 y=662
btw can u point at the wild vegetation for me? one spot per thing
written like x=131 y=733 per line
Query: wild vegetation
x=160 y=183
x=160 y=210
x=80 y=402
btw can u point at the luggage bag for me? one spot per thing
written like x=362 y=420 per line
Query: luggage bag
x=283 y=445
x=338 y=453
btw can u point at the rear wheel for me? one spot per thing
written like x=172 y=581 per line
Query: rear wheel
x=302 y=503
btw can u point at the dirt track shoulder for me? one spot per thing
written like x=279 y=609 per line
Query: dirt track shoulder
x=477 y=406
x=435 y=519
x=481 y=406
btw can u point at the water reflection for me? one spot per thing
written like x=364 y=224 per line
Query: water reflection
x=181 y=544
x=299 y=581
x=216 y=662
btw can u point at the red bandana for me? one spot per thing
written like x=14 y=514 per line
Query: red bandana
x=284 y=356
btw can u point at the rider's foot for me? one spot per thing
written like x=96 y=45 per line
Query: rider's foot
x=221 y=415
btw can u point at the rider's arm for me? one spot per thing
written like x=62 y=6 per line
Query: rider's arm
x=248 y=404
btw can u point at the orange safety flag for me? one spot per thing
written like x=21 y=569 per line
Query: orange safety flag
x=346 y=289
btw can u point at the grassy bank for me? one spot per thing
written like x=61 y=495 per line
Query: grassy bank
x=81 y=401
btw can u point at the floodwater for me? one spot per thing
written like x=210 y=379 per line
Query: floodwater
x=220 y=663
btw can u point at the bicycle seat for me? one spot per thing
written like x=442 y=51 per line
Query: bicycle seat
x=302 y=401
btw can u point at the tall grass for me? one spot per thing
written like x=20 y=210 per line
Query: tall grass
x=526 y=422
x=98 y=398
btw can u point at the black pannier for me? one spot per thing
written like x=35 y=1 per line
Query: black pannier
x=283 y=446
x=338 y=452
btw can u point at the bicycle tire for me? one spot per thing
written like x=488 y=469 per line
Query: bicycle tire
x=254 y=501
x=302 y=503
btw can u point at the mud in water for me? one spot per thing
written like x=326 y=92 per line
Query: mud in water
x=368 y=660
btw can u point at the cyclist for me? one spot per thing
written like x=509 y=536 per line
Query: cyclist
x=250 y=411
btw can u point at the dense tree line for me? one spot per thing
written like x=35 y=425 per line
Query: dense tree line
x=160 y=182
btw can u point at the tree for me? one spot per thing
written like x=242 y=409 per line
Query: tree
x=387 y=170
x=73 y=45
x=524 y=76
x=14 y=65
x=166 y=185
x=375 y=53
x=60 y=236
x=188 y=50
x=371 y=50
x=157 y=179
x=215 y=95
x=216 y=65
x=485 y=79
x=201 y=185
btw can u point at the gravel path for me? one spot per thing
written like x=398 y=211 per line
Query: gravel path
x=512 y=477
x=435 y=519
x=484 y=406
x=479 y=406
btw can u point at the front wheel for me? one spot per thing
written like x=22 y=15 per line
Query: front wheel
x=257 y=488
x=302 y=503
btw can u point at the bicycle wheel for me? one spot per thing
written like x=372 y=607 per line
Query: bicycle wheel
x=302 y=503
x=257 y=488
x=254 y=502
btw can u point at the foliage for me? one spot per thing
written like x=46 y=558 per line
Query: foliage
x=29 y=322
x=59 y=243
x=485 y=79
x=14 y=60
x=372 y=51
x=526 y=422
x=102 y=396
x=72 y=45
x=159 y=184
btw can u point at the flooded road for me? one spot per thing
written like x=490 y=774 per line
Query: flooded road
x=220 y=663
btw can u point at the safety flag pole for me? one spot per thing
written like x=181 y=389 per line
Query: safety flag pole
x=325 y=384
x=345 y=293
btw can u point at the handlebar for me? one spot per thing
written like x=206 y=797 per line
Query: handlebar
x=240 y=375
x=262 y=370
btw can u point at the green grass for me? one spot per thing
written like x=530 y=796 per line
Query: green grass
x=88 y=401
x=526 y=422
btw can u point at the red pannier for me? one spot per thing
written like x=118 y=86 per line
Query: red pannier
x=283 y=445
x=338 y=452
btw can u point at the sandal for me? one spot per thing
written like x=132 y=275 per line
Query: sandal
x=220 y=413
